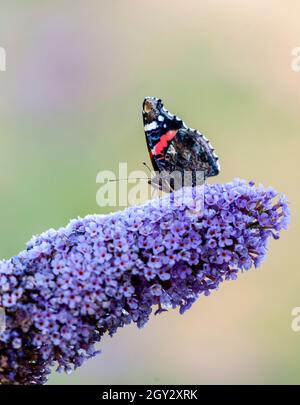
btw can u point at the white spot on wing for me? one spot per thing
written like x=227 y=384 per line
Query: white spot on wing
x=151 y=126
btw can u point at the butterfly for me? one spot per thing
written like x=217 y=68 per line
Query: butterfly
x=175 y=149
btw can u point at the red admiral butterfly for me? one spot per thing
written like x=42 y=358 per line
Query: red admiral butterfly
x=173 y=147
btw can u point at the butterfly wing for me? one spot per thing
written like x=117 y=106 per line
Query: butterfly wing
x=172 y=145
x=189 y=150
x=160 y=127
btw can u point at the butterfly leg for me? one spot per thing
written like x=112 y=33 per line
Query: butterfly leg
x=161 y=183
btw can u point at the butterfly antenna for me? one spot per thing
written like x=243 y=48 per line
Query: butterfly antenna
x=145 y=164
x=136 y=178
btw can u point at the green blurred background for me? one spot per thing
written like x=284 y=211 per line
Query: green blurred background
x=70 y=105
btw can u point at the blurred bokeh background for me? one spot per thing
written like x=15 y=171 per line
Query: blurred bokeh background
x=70 y=105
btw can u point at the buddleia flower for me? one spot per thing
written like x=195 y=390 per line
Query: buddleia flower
x=73 y=285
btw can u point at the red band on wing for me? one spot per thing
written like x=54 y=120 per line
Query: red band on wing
x=163 y=143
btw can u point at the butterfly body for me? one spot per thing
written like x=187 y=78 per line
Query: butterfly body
x=173 y=147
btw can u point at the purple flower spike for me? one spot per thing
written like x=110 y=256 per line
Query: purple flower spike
x=71 y=286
